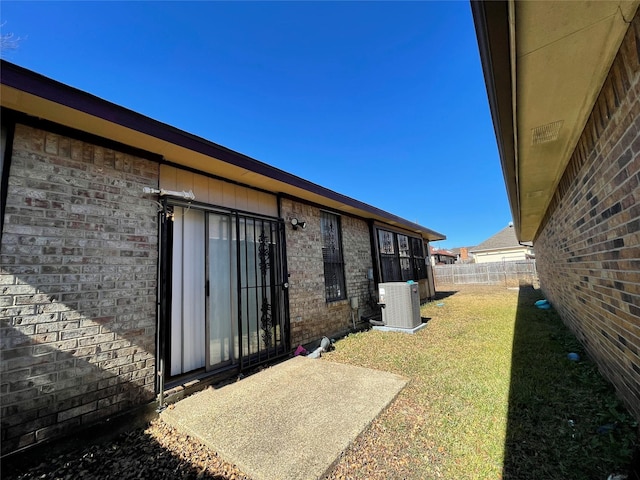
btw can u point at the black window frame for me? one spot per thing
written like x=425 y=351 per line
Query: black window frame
x=6 y=151
x=418 y=249
x=388 y=256
x=401 y=256
x=332 y=257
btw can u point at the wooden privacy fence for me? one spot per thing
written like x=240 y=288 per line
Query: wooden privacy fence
x=496 y=273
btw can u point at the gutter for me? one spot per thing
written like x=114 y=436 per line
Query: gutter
x=514 y=109
x=495 y=36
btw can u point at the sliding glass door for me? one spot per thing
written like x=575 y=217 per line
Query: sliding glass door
x=228 y=290
x=222 y=294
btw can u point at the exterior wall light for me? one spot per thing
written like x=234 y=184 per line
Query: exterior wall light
x=297 y=223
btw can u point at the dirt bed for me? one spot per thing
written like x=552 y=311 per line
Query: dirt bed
x=158 y=452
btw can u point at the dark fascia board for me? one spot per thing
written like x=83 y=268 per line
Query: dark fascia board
x=491 y=19
x=36 y=84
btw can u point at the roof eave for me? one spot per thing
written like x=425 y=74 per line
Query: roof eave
x=29 y=83
x=544 y=66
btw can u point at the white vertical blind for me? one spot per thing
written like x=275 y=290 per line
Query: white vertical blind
x=176 y=298
x=188 y=292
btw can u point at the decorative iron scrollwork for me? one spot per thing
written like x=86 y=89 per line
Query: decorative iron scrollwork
x=265 y=310
x=263 y=254
x=331 y=238
x=265 y=320
x=387 y=245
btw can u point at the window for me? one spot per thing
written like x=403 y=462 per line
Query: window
x=332 y=257
x=405 y=258
x=389 y=263
x=417 y=252
x=401 y=257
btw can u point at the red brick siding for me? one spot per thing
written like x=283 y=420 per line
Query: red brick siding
x=588 y=248
x=77 y=286
x=311 y=316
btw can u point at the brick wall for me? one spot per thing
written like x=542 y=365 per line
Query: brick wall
x=311 y=316
x=588 y=249
x=77 y=286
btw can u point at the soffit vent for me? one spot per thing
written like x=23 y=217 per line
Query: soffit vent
x=546 y=133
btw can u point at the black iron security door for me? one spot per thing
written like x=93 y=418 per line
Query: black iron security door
x=263 y=319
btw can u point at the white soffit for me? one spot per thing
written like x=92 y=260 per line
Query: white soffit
x=563 y=54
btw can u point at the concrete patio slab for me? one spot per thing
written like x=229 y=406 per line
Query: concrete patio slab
x=290 y=421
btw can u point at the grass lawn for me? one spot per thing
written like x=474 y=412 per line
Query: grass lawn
x=491 y=395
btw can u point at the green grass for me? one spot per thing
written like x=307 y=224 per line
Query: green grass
x=491 y=395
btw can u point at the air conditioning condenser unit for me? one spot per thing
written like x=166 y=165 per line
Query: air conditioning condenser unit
x=400 y=302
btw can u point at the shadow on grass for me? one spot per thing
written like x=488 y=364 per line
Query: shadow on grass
x=564 y=420
x=443 y=295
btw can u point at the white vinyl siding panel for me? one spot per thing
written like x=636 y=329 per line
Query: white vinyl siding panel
x=218 y=192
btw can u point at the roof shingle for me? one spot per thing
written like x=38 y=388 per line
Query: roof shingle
x=505 y=238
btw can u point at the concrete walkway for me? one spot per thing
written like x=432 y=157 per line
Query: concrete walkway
x=290 y=421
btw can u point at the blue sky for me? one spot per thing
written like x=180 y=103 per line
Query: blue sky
x=383 y=102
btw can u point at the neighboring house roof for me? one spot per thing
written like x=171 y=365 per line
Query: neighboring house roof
x=457 y=250
x=40 y=97
x=443 y=252
x=544 y=65
x=504 y=239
